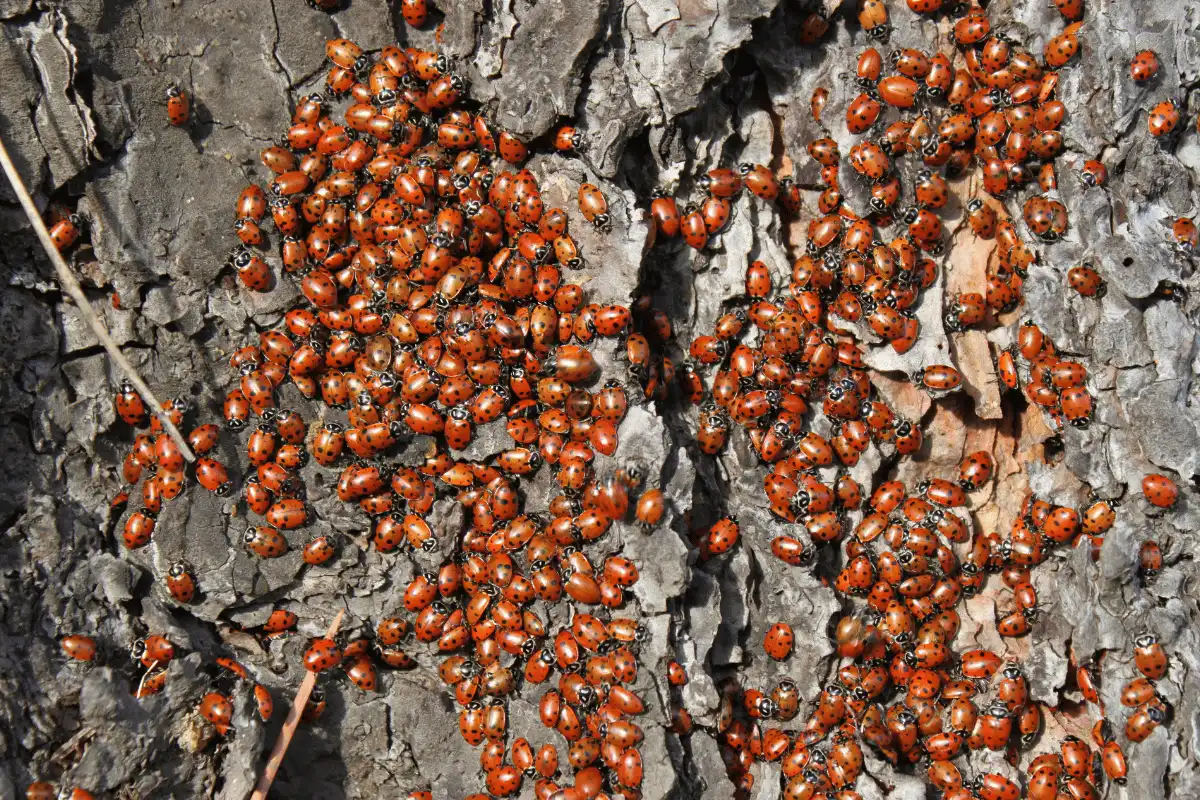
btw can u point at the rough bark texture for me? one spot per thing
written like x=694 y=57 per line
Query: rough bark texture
x=664 y=90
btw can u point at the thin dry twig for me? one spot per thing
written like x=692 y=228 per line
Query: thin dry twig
x=290 y=724
x=71 y=285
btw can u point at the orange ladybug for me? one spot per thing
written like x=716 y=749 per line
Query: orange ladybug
x=179 y=106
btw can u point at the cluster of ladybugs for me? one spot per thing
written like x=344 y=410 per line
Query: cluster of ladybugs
x=434 y=304
x=901 y=689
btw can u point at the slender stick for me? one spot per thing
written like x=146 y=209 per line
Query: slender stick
x=289 y=725
x=69 y=283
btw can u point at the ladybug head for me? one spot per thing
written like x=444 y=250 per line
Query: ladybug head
x=998 y=710
x=1146 y=639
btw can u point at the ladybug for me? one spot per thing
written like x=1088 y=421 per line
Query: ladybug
x=931 y=190
x=252 y=271
x=813 y=27
x=722 y=536
x=938 y=379
x=323 y=654
x=1149 y=657
x=180 y=583
x=1144 y=66
x=153 y=649
x=211 y=474
x=824 y=151
x=504 y=780
x=862 y=113
x=982 y=219
x=328 y=444
x=265 y=541
x=204 y=438
x=1160 y=491
x=413 y=11
x=665 y=212
x=760 y=181
x=252 y=203
x=179 y=106
x=288 y=514
x=280 y=621
x=923 y=224
x=715 y=211
x=1093 y=173
x=1150 y=560
x=721 y=182
x=1137 y=692
x=1185 y=233
x=1072 y=10
x=758 y=281
x=820 y=95
x=79 y=647
x=594 y=206
x=362 y=673
x=319 y=550
x=975 y=470
x=315 y=706
x=695 y=232
x=139 y=528
x=1061 y=48
x=898 y=90
x=510 y=148
x=218 y=710
x=129 y=405
x=1143 y=722
x=650 y=509
x=1086 y=281
x=869 y=160
x=1098 y=518
x=263 y=702
x=1163 y=118
x=1113 y=760
x=778 y=641
x=873 y=17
